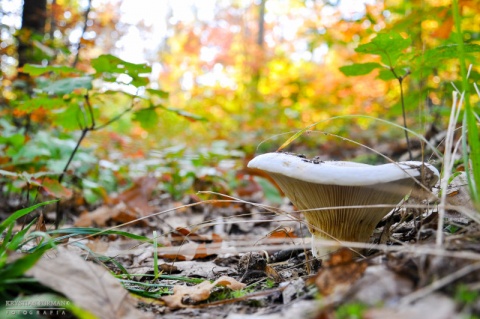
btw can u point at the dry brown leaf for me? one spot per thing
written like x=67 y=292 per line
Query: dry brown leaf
x=98 y=246
x=339 y=272
x=138 y=196
x=99 y=216
x=189 y=251
x=284 y=232
x=445 y=29
x=128 y=206
x=88 y=285
x=199 y=292
x=40 y=226
x=182 y=235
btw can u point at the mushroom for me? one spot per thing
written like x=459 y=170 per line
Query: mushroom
x=314 y=184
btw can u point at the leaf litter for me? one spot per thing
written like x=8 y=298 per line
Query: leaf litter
x=275 y=265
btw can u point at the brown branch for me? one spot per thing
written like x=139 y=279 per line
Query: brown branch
x=85 y=26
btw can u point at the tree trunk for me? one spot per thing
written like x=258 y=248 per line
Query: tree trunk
x=34 y=17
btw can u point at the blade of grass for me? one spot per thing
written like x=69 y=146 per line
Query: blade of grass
x=101 y=258
x=155 y=255
x=20 y=236
x=167 y=277
x=20 y=213
x=144 y=284
x=472 y=129
x=19 y=267
x=97 y=231
x=299 y=133
x=448 y=161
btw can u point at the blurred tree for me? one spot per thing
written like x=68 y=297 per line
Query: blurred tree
x=34 y=17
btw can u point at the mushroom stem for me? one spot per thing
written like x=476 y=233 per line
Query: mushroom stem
x=333 y=222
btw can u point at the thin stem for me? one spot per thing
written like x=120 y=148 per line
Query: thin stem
x=472 y=155
x=400 y=81
x=85 y=25
x=59 y=213
x=90 y=110
x=82 y=136
x=402 y=100
x=116 y=117
x=85 y=130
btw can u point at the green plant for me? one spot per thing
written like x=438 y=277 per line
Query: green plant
x=465 y=295
x=471 y=138
x=13 y=270
x=67 y=104
x=390 y=47
x=223 y=293
x=269 y=283
x=350 y=311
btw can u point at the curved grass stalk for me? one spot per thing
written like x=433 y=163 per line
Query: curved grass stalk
x=300 y=132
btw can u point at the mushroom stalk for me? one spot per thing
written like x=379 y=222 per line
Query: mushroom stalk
x=312 y=184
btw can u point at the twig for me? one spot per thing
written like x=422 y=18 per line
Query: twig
x=85 y=129
x=402 y=99
x=85 y=25
x=425 y=291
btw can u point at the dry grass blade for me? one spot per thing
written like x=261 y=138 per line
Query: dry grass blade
x=299 y=133
x=438 y=284
x=448 y=161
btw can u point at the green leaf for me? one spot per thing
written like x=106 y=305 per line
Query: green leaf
x=29 y=151
x=41 y=101
x=389 y=46
x=7 y=173
x=55 y=188
x=16 y=140
x=448 y=52
x=148 y=118
x=189 y=116
x=35 y=70
x=65 y=86
x=110 y=67
x=359 y=68
x=19 y=213
x=159 y=93
x=80 y=231
x=386 y=75
x=68 y=118
x=19 y=237
x=19 y=266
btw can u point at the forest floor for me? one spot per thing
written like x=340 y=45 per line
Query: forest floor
x=240 y=259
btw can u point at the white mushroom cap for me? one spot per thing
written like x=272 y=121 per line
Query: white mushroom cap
x=335 y=172
x=311 y=184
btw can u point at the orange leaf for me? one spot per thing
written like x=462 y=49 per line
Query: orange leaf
x=54 y=188
x=199 y=292
x=340 y=272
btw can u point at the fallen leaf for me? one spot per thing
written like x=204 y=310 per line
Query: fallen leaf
x=55 y=188
x=40 y=226
x=339 y=272
x=182 y=235
x=284 y=232
x=98 y=246
x=88 y=285
x=199 y=292
x=189 y=251
x=445 y=28
x=138 y=196
x=99 y=216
